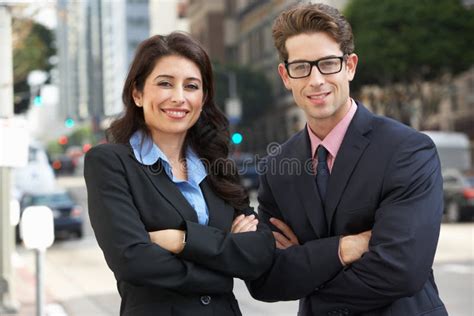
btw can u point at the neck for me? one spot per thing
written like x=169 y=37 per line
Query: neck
x=171 y=146
x=323 y=126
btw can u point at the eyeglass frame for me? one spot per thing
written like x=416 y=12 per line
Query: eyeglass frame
x=315 y=63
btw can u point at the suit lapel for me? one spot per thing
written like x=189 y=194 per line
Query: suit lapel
x=352 y=148
x=221 y=214
x=305 y=185
x=169 y=190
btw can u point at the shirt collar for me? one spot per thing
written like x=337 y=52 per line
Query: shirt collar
x=332 y=142
x=196 y=170
x=148 y=153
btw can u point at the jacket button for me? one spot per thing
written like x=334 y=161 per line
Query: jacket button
x=205 y=300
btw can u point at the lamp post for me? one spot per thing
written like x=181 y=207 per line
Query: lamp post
x=6 y=111
x=233 y=105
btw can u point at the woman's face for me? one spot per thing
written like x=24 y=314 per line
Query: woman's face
x=172 y=97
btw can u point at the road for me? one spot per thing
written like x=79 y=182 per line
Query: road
x=78 y=279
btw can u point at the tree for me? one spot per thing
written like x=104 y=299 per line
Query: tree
x=32 y=48
x=253 y=89
x=406 y=42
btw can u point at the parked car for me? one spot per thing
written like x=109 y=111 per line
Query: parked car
x=67 y=214
x=458 y=195
x=247 y=170
x=63 y=164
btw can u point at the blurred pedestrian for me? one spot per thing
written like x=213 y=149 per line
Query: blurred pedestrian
x=170 y=216
x=369 y=175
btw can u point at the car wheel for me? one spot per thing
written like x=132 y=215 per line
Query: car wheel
x=80 y=233
x=453 y=213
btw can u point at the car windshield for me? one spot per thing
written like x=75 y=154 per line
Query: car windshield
x=470 y=181
x=55 y=198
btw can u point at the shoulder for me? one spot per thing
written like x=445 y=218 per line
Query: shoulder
x=395 y=133
x=290 y=148
x=107 y=151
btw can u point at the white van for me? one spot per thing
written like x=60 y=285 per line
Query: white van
x=454 y=149
x=37 y=176
x=454 y=152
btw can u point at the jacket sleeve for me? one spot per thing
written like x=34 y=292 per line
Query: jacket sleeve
x=242 y=255
x=123 y=238
x=404 y=235
x=298 y=270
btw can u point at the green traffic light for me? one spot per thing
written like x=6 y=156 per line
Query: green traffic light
x=237 y=138
x=69 y=123
x=38 y=101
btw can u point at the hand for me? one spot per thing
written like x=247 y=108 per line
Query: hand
x=352 y=247
x=285 y=239
x=242 y=224
x=169 y=239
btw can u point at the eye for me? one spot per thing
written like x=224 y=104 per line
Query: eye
x=192 y=86
x=164 y=84
x=329 y=63
x=299 y=67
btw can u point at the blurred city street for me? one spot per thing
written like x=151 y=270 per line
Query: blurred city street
x=63 y=65
x=78 y=280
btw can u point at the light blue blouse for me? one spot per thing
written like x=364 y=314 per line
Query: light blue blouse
x=148 y=153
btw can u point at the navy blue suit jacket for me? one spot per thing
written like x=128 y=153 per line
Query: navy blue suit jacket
x=386 y=177
x=127 y=200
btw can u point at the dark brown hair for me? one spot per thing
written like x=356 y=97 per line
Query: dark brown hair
x=209 y=137
x=310 y=18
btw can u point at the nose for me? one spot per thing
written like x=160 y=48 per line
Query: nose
x=177 y=95
x=316 y=78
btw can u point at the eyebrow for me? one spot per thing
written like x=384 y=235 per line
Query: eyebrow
x=305 y=60
x=171 y=77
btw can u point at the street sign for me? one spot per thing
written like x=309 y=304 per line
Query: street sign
x=37 y=227
x=14 y=141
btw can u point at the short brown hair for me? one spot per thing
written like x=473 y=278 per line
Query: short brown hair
x=310 y=18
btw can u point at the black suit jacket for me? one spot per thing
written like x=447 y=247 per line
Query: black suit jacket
x=386 y=177
x=127 y=200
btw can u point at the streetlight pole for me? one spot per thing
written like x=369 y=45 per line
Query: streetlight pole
x=6 y=111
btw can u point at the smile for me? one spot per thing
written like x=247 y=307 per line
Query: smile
x=175 y=114
x=319 y=96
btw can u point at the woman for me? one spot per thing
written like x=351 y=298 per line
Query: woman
x=169 y=215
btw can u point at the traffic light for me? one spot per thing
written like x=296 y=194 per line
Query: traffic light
x=237 y=138
x=63 y=140
x=86 y=147
x=69 y=123
x=38 y=100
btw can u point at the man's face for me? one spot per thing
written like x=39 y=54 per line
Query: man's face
x=323 y=98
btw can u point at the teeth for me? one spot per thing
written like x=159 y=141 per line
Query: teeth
x=318 y=97
x=176 y=113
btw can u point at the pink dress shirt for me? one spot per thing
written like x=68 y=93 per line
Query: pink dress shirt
x=332 y=142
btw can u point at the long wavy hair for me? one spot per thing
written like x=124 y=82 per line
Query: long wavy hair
x=209 y=137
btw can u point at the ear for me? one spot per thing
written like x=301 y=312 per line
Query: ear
x=351 y=65
x=284 y=75
x=137 y=97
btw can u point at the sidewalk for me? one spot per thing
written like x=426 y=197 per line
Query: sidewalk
x=76 y=281
x=24 y=289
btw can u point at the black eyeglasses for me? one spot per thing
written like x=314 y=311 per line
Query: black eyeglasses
x=326 y=66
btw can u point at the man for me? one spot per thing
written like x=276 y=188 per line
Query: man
x=370 y=173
